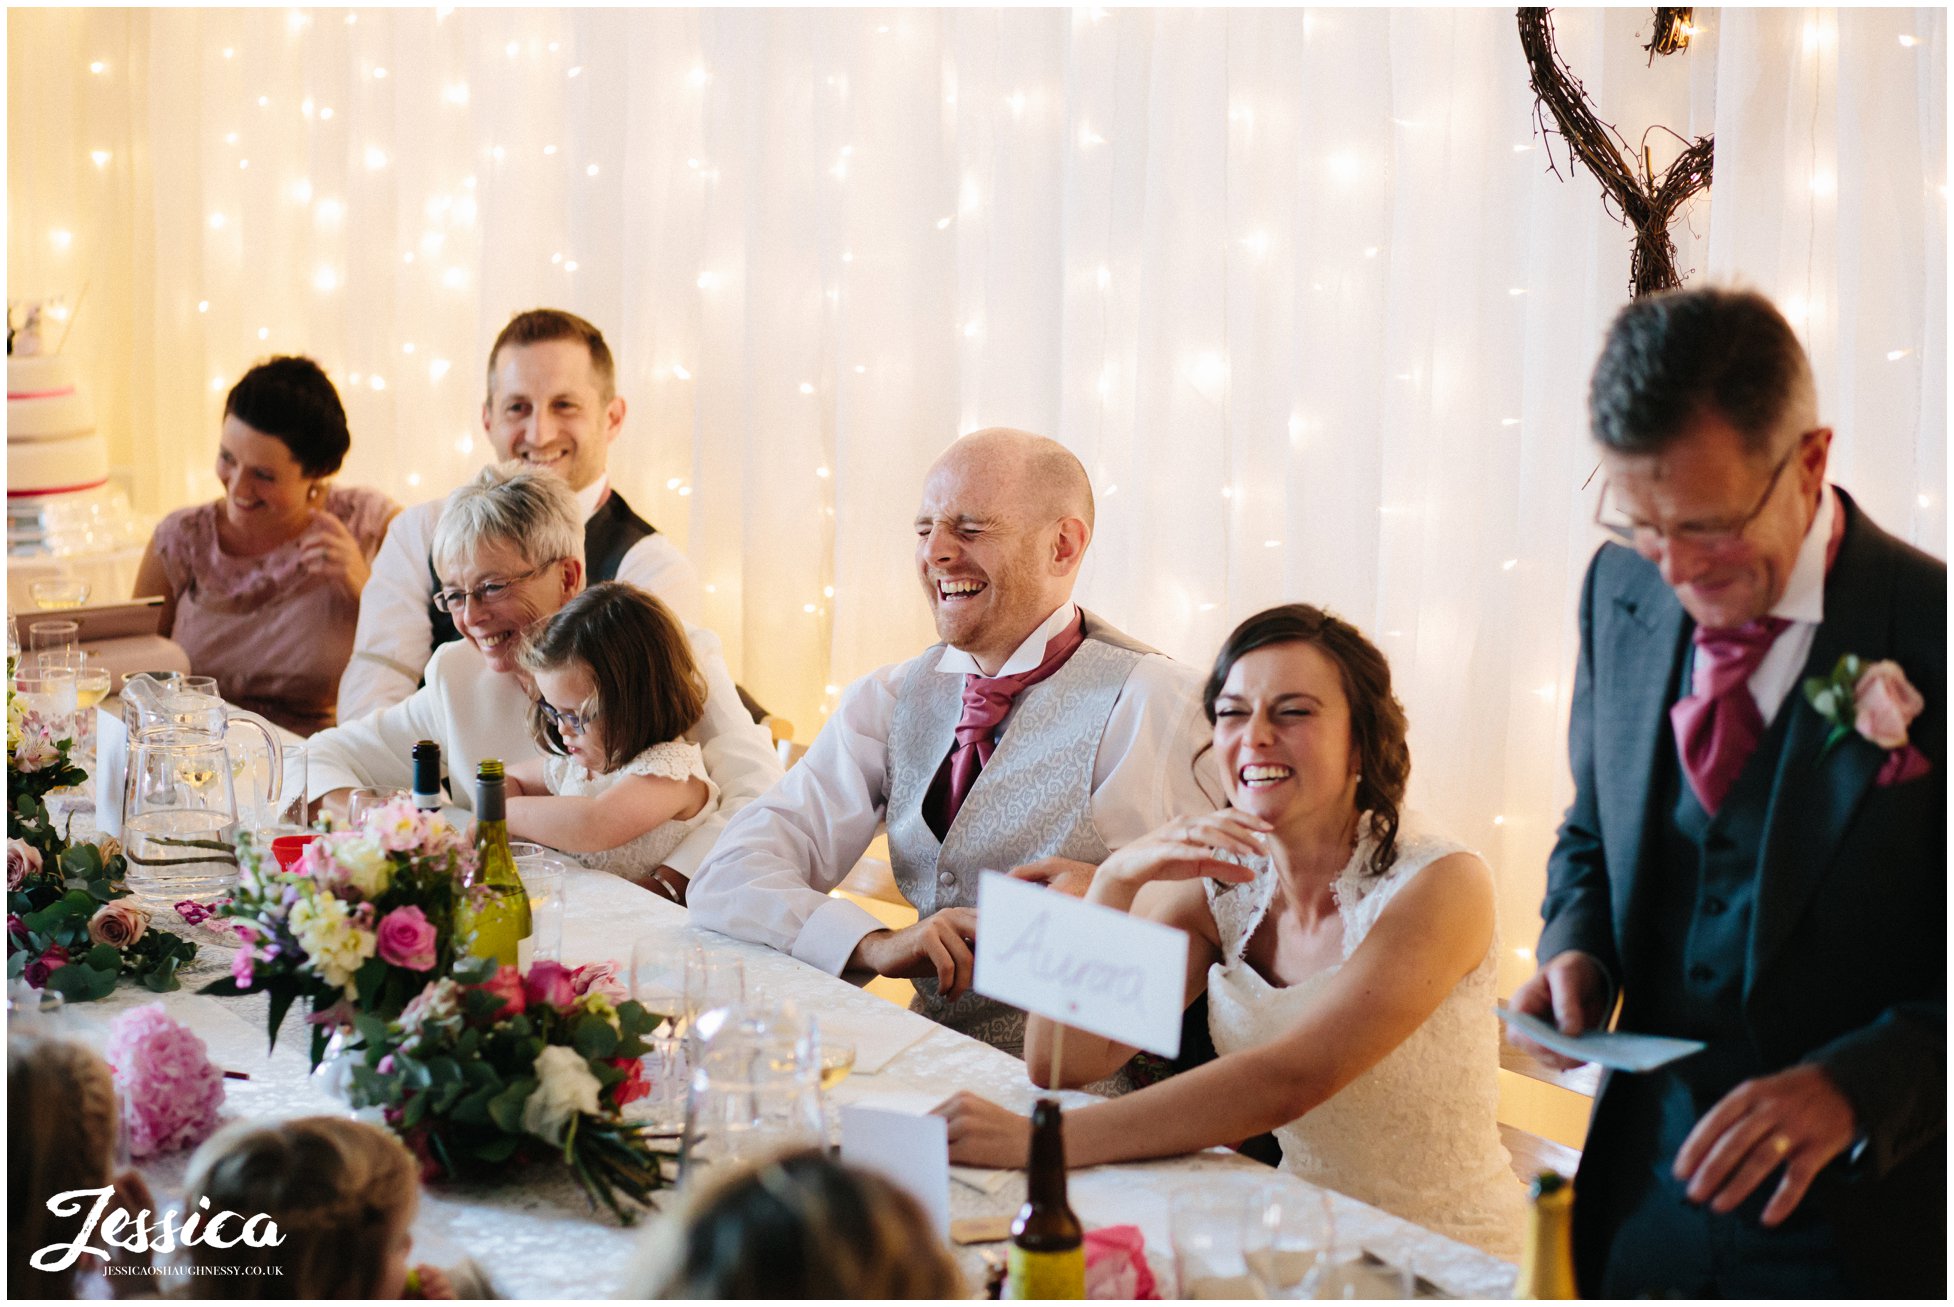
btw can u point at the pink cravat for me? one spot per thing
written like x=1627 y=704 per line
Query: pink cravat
x=1718 y=725
x=986 y=699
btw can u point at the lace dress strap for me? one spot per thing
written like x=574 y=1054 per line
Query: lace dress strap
x=1363 y=896
x=1239 y=909
x=672 y=760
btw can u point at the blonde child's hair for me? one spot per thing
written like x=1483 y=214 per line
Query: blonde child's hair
x=61 y=1123
x=800 y=1226
x=649 y=690
x=335 y=1187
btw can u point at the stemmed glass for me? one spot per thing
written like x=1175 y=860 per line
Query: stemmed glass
x=59 y=592
x=658 y=983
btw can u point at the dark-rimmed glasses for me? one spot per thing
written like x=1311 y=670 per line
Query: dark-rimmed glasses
x=576 y=722
x=1645 y=536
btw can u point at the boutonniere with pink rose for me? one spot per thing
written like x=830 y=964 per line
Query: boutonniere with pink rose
x=1874 y=700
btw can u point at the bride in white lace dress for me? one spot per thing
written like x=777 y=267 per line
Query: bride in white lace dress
x=1347 y=956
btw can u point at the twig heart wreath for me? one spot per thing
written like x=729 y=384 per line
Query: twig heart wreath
x=1646 y=203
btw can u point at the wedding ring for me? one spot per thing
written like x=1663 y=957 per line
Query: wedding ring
x=1781 y=1143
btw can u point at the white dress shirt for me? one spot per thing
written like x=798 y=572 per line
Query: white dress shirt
x=768 y=878
x=475 y=713
x=394 y=636
x=1803 y=605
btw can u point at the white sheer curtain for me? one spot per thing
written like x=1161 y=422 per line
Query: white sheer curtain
x=1296 y=285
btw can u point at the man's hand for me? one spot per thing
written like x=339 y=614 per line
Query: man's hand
x=1797 y=1119
x=984 y=1134
x=1062 y=874
x=941 y=945
x=1569 y=991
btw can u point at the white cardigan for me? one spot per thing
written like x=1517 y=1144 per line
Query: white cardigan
x=475 y=713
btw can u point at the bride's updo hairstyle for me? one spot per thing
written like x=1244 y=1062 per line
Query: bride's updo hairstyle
x=1377 y=720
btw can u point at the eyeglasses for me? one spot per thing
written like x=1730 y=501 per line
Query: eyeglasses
x=488 y=592
x=577 y=723
x=1644 y=536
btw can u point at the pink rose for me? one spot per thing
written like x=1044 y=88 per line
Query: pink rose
x=549 y=983
x=118 y=924
x=170 y=1091
x=1886 y=703
x=23 y=860
x=407 y=939
x=505 y=984
x=601 y=977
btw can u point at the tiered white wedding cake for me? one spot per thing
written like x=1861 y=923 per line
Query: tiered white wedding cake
x=63 y=517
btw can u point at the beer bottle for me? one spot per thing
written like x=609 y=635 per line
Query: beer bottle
x=1047 y=1258
x=1547 y=1264
x=495 y=911
x=427 y=776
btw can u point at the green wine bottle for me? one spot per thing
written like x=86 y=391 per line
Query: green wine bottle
x=495 y=918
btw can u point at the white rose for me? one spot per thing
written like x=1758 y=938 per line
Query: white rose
x=367 y=867
x=564 y=1087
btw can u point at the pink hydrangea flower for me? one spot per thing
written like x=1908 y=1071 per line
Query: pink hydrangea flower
x=408 y=939
x=549 y=983
x=170 y=1091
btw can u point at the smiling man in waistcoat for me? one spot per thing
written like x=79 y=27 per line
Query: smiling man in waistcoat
x=1743 y=865
x=1034 y=737
x=553 y=403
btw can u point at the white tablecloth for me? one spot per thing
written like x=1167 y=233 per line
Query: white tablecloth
x=536 y=1234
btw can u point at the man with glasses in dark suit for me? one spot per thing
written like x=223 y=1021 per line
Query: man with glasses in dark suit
x=1751 y=860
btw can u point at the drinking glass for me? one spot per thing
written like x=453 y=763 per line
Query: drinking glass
x=1205 y=1226
x=280 y=804
x=13 y=635
x=178 y=810
x=755 y=1090
x=51 y=637
x=658 y=983
x=834 y=1058
x=1287 y=1229
x=714 y=981
x=46 y=697
x=525 y=849
x=1357 y=1274
x=543 y=878
x=60 y=592
x=201 y=685
x=362 y=803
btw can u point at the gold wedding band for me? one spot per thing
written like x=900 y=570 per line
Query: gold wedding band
x=1781 y=1143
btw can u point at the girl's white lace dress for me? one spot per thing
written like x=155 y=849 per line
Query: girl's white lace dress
x=1416 y=1134
x=675 y=760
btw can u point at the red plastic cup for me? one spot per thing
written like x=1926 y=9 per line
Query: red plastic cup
x=287 y=848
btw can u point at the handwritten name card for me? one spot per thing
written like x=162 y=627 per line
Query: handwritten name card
x=1088 y=966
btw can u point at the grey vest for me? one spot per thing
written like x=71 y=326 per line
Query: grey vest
x=1032 y=800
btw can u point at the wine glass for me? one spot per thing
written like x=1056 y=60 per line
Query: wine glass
x=361 y=804
x=544 y=876
x=714 y=979
x=59 y=592
x=1288 y=1229
x=658 y=977
x=1359 y=1274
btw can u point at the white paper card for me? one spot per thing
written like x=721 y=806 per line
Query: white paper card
x=1090 y=967
x=111 y=762
x=1610 y=1048
x=909 y=1150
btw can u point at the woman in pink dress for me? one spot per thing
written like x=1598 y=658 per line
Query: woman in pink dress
x=262 y=587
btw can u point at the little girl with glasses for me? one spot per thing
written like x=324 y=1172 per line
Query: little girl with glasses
x=616 y=692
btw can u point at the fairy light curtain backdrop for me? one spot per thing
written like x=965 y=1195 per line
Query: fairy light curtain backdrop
x=1298 y=286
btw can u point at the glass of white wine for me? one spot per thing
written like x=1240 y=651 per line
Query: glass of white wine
x=658 y=983
x=59 y=592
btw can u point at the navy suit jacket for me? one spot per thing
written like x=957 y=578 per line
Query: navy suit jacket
x=1846 y=964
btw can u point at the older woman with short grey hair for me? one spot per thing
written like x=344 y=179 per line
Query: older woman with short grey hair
x=508 y=553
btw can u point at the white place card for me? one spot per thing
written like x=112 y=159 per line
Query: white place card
x=910 y=1150
x=1090 y=967
x=111 y=763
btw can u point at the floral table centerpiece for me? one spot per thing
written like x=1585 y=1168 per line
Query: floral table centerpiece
x=71 y=925
x=361 y=922
x=491 y=1066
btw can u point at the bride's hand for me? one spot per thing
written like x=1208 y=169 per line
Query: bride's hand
x=1185 y=848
